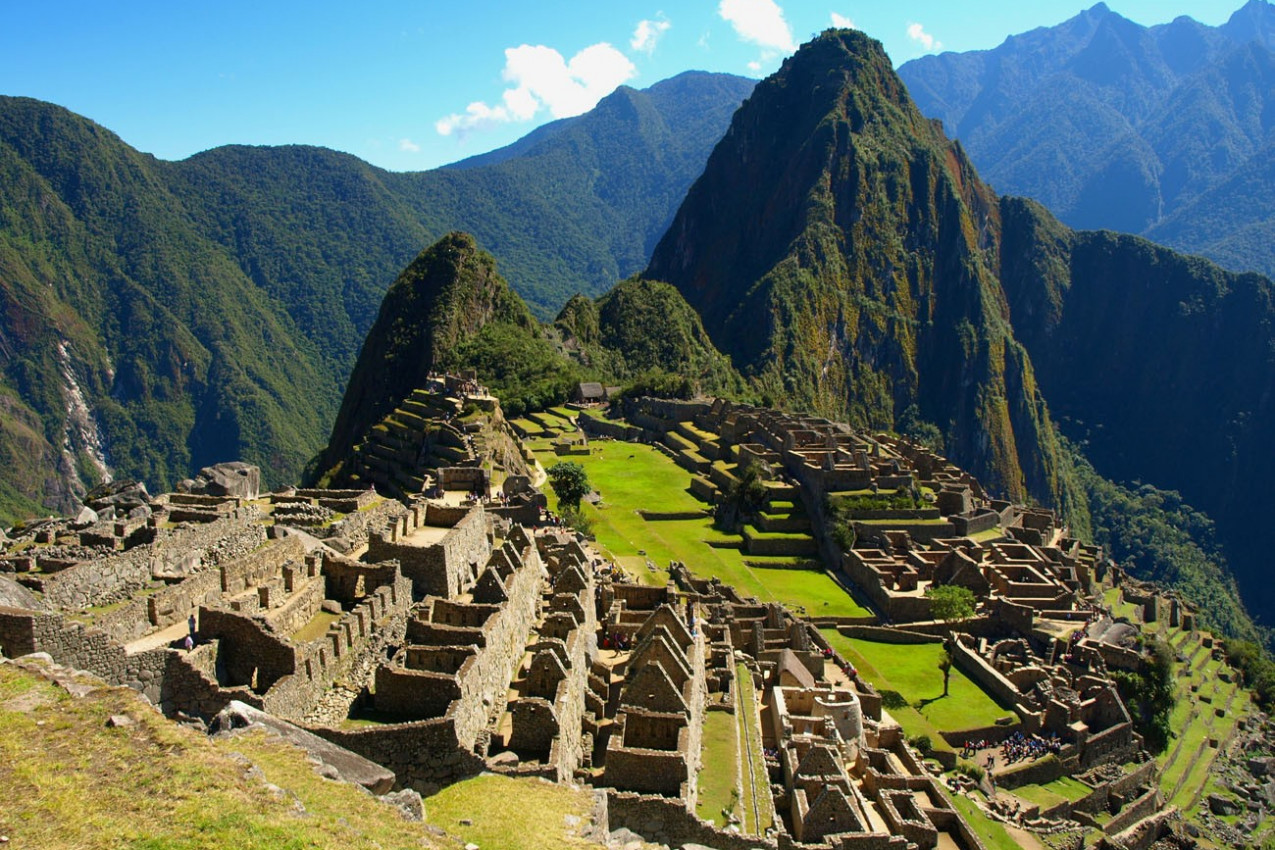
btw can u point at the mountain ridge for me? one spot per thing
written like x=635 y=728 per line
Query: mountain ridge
x=147 y=274
x=1114 y=125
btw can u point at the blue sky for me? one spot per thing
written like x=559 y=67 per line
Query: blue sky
x=413 y=85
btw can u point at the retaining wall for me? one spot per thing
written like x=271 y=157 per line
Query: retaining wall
x=104 y=581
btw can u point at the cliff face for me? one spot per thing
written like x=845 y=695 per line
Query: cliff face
x=156 y=316
x=1163 y=364
x=844 y=253
x=130 y=344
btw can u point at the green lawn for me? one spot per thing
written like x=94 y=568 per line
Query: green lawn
x=913 y=671
x=992 y=834
x=632 y=477
x=68 y=780
x=1178 y=771
x=531 y=428
x=755 y=802
x=718 y=779
x=520 y=814
x=1114 y=599
x=1050 y=794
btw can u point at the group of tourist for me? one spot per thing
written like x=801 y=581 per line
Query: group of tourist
x=846 y=666
x=1017 y=747
x=617 y=640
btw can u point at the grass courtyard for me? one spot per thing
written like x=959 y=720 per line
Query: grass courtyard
x=912 y=670
x=632 y=477
x=719 y=778
x=520 y=814
x=1049 y=794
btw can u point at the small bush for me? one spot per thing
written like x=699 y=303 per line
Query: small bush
x=922 y=744
x=576 y=518
x=970 y=769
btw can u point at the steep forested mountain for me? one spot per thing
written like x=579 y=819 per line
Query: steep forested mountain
x=843 y=253
x=158 y=316
x=450 y=310
x=846 y=255
x=1164 y=131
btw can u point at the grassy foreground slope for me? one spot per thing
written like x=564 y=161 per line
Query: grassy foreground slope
x=67 y=780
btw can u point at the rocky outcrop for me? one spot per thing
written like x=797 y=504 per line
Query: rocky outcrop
x=336 y=761
x=235 y=479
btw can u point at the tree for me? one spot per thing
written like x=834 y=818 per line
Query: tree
x=945 y=664
x=744 y=498
x=570 y=483
x=950 y=602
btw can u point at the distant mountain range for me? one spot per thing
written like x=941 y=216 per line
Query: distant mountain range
x=1165 y=131
x=159 y=316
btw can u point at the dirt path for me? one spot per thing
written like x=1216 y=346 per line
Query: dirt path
x=163 y=637
x=1024 y=839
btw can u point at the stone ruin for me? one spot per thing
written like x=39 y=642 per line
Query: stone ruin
x=440 y=638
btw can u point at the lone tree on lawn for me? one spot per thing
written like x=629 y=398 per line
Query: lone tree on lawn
x=945 y=664
x=949 y=603
x=570 y=483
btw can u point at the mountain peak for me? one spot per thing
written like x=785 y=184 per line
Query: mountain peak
x=1254 y=21
x=446 y=296
x=834 y=241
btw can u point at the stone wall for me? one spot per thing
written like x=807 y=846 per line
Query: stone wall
x=304 y=602
x=596 y=427
x=425 y=755
x=108 y=580
x=71 y=644
x=488 y=682
x=442 y=569
x=170 y=679
x=1148 y=804
x=360 y=634
x=190 y=684
x=1099 y=800
x=356 y=528
x=250 y=656
x=881 y=634
x=868 y=581
x=1109 y=745
x=173 y=603
x=1038 y=772
x=984 y=675
x=665 y=821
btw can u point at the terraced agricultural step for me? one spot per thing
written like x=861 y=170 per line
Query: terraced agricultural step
x=784 y=492
x=785 y=523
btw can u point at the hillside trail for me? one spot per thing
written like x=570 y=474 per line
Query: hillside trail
x=1023 y=838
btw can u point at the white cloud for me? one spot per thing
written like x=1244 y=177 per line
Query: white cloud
x=648 y=34
x=409 y=146
x=917 y=33
x=841 y=22
x=755 y=66
x=759 y=22
x=541 y=77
